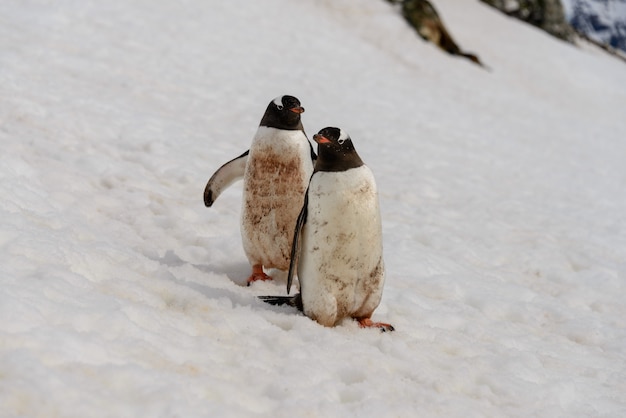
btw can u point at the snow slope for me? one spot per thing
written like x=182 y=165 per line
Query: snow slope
x=502 y=197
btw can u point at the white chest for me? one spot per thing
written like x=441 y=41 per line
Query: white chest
x=341 y=241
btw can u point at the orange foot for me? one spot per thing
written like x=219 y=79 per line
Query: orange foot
x=368 y=323
x=258 y=274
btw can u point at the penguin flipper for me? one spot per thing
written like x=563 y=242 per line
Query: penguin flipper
x=295 y=246
x=295 y=301
x=226 y=175
x=313 y=154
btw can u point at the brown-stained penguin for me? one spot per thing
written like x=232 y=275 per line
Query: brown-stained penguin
x=276 y=171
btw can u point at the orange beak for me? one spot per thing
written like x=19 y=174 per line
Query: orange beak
x=320 y=139
x=297 y=109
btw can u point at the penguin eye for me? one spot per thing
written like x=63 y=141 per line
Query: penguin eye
x=279 y=107
x=341 y=141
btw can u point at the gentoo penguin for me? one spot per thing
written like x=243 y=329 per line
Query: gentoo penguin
x=276 y=171
x=337 y=245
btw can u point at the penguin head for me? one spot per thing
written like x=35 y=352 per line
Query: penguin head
x=283 y=113
x=335 y=151
x=333 y=138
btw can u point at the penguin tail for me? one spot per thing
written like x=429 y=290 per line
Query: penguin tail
x=295 y=301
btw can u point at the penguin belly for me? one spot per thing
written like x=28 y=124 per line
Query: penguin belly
x=276 y=177
x=341 y=268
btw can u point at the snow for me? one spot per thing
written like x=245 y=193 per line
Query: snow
x=502 y=199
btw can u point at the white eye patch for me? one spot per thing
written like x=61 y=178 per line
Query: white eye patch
x=279 y=102
x=343 y=137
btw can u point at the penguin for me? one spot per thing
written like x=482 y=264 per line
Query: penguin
x=275 y=171
x=337 y=245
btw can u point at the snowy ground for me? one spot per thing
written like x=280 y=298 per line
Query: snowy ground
x=502 y=193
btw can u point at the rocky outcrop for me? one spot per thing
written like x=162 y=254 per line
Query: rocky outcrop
x=545 y=14
x=422 y=16
x=601 y=21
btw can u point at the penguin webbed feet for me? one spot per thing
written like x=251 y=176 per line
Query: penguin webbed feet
x=257 y=274
x=368 y=323
x=256 y=277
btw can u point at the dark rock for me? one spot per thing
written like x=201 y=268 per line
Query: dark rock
x=422 y=16
x=545 y=14
x=600 y=21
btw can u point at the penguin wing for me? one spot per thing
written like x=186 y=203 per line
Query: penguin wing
x=224 y=177
x=295 y=246
x=295 y=301
x=313 y=154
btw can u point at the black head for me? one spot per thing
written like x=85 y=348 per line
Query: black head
x=283 y=113
x=335 y=151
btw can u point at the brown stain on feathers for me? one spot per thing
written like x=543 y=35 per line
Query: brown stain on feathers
x=274 y=193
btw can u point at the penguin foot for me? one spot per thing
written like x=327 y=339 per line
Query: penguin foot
x=258 y=274
x=254 y=277
x=368 y=323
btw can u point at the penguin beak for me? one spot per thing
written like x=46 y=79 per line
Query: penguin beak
x=321 y=139
x=297 y=109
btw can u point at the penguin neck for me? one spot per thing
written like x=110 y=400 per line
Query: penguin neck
x=271 y=121
x=331 y=160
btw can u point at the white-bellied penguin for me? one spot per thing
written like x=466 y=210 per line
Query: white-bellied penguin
x=276 y=171
x=337 y=246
